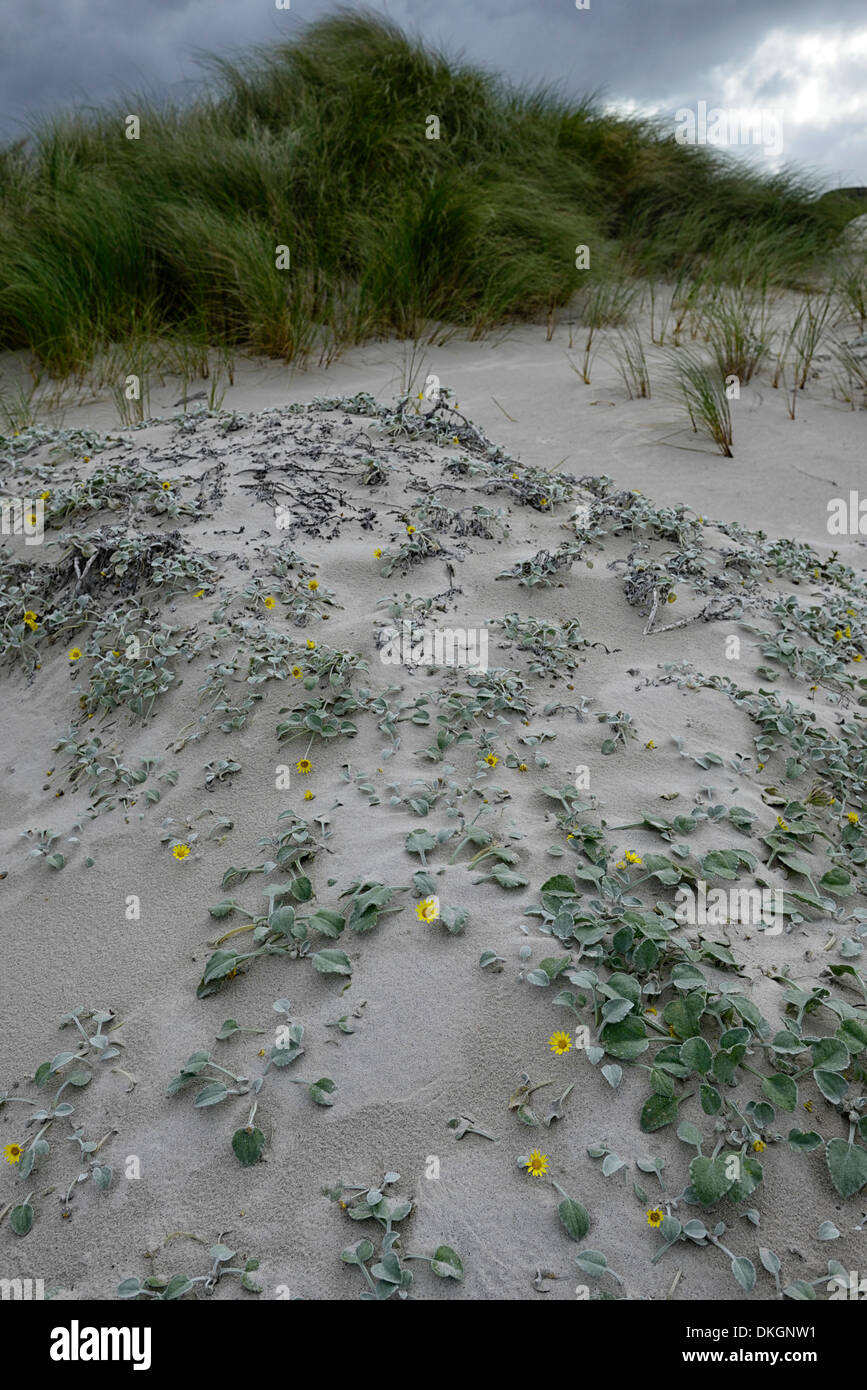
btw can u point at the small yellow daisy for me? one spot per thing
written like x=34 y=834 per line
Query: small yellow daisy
x=759 y=1146
x=297 y=672
x=537 y=1164
x=270 y=602
x=377 y=554
x=522 y=767
x=559 y=1043
x=852 y=817
x=492 y=760
x=427 y=910
x=311 y=646
x=12 y=1153
x=313 y=585
x=655 y=1217
x=650 y=744
x=166 y=485
x=181 y=851
x=304 y=766
x=308 y=795
x=75 y=654
x=410 y=530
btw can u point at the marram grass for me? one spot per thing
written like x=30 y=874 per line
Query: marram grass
x=321 y=145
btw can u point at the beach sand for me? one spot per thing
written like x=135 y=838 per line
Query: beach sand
x=435 y=1035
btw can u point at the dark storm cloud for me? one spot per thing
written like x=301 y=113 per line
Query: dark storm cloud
x=808 y=60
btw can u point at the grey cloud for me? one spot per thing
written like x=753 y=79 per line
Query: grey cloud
x=658 y=55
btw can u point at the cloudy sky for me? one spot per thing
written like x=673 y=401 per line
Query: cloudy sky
x=803 y=65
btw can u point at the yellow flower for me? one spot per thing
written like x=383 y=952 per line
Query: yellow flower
x=166 y=485
x=304 y=766
x=650 y=1009
x=455 y=439
x=313 y=585
x=537 y=1164
x=650 y=744
x=838 y=636
x=543 y=501
x=808 y=1105
x=75 y=654
x=87 y=458
x=848 y=631
x=857 y=658
x=492 y=760
x=761 y=767
x=621 y=864
x=850 y=612
x=672 y=598
x=270 y=602
x=297 y=672
x=427 y=910
x=311 y=646
x=655 y=1218
x=44 y=496
x=200 y=593
x=632 y=857
x=852 y=817
x=671 y=1032
x=12 y=1153
x=308 y=795
x=514 y=477
x=410 y=530
x=261 y=1052
x=377 y=554
x=181 y=851
x=759 y=1146
x=522 y=767
x=781 y=823
x=560 y=1043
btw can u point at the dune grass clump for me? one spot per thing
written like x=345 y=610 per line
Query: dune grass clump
x=353 y=183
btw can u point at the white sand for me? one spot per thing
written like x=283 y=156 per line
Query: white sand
x=438 y=1035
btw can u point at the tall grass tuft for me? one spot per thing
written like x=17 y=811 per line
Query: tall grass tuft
x=702 y=390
